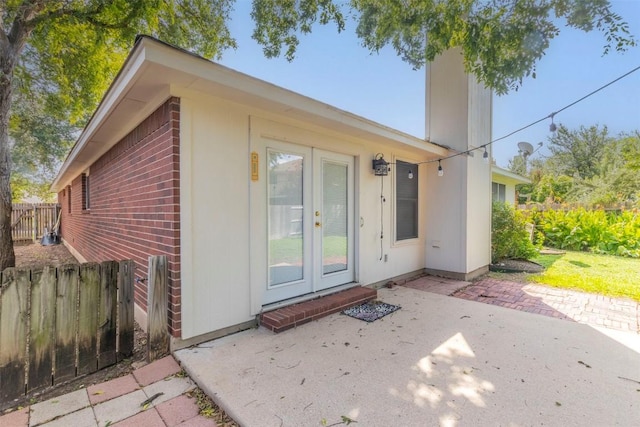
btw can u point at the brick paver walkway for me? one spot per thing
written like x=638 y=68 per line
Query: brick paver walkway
x=614 y=313
x=120 y=402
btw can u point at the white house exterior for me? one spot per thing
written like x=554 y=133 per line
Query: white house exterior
x=503 y=184
x=277 y=197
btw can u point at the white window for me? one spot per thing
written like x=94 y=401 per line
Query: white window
x=498 y=192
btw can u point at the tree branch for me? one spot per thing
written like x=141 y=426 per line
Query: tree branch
x=23 y=23
x=88 y=15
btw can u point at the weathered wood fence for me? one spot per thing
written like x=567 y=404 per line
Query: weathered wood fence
x=59 y=323
x=28 y=221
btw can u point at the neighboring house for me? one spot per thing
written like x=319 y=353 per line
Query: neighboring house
x=503 y=184
x=262 y=197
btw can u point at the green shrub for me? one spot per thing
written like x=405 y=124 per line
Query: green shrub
x=597 y=231
x=509 y=235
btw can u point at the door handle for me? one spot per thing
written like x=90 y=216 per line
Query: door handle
x=317 y=223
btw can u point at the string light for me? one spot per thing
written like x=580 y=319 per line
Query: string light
x=552 y=128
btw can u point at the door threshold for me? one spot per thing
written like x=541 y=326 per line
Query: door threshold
x=306 y=297
x=290 y=313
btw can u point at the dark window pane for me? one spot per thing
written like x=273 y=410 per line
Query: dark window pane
x=406 y=201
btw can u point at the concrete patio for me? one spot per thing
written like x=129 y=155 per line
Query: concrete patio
x=438 y=361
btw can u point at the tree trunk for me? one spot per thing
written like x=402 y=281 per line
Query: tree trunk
x=7 y=256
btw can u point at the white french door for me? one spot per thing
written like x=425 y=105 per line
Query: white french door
x=333 y=246
x=309 y=220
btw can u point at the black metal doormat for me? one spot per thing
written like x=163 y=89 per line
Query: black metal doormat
x=371 y=311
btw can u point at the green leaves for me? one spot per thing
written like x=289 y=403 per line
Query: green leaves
x=509 y=236
x=586 y=166
x=280 y=22
x=501 y=40
x=77 y=47
x=613 y=233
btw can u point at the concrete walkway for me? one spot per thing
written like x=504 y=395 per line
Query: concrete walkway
x=437 y=361
x=118 y=402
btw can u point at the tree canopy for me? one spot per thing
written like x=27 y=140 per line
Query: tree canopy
x=57 y=57
x=586 y=166
x=501 y=40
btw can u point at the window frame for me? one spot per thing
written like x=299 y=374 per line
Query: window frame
x=401 y=169
x=69 y=199
x=86 y=192
x=501 y=196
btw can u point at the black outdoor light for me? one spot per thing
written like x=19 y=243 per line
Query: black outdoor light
x=380 y=165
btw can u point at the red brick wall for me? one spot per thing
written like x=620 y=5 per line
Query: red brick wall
x=134 y=207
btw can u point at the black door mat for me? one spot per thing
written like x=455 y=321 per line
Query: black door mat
x=370 y=311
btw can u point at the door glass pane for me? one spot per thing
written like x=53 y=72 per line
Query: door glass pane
x=334 y=217
x=285 y=217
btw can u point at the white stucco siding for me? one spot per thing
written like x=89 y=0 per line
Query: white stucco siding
x=479 y=176
x=479 y=213
x=370 y=219
x=215 y=216
x=222 y=236
x=458 y=115
x=446 y=211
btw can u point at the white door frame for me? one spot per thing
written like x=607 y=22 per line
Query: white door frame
x=313 y=279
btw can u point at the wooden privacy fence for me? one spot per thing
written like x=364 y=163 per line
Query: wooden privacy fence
x=28 y=221
x=59 y=323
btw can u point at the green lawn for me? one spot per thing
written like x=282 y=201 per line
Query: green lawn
x=603 y=274
x=289 y=249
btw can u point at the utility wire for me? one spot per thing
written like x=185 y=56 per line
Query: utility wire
x=550 y=116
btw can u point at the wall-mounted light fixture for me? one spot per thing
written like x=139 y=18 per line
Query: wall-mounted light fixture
x=380 y=165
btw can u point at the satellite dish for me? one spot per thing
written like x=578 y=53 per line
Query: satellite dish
x=525 y=148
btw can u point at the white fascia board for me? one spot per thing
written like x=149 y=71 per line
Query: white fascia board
x=508 y=175
x=124 y=80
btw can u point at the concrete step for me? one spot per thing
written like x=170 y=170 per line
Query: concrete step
x=294 y=315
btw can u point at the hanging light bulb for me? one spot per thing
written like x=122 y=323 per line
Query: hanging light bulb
x=440 y=170
x=552 y=126
x=410 y=176
x=485 y=155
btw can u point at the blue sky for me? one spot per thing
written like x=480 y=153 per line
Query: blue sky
x=335 y=69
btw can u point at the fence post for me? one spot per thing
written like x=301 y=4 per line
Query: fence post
x=88 y=310
x=157 y=306
x=43 y=312
x=14 y=316
x=125 y=310
x=66 y=328
x=35 y=223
